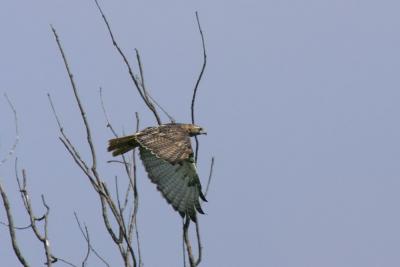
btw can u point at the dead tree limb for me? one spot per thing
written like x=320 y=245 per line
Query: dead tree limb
x=131 y=171
x=11 y=227
x=120 y=237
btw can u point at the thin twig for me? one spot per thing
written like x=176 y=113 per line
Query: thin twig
x=199 y=245
x=172 y=120
x=63 y=261
x=84 y=262
x=11 y=151
x=130 y=71
x=46 y=242
x=192 y=261
x=67 y=143
x=187 y=242
x=85 y=234
x=115 y=161
x=78 y=101
x=209 y=176
x=109 y=125
x=141 y=71
x=43 y=238
x=198 y=80
x=121 y=210
x=136 y=197
x=76 y=158
x=16 y=227
x=105 y=114
x=149 y=98
x=183 y=242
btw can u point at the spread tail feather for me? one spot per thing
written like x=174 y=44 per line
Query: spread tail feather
x=121 y=145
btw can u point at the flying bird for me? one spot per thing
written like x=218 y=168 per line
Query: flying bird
x=167 y=156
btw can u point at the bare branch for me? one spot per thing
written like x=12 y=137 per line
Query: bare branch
x=209 y=176
x=46 y=233
x=141 y=71
x=33 y=219
x=132 y=184
x=85 y=234
x=198 y=80
x=16 y=140
x=199 y=245
x=130 y=71
x=108 y=125
x=187 y=242
x=63 y=261
x=183 y=242
x=11 y=228
x=192 y=261
x=116 y=161
x=68 y=145
x=97 y=183
x=149 y=98
x=133 y=221
x=78 y=101
x=121 y=210
x=77 y=160
x=16 y=227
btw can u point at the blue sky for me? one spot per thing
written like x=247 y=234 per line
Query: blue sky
x=300 y=100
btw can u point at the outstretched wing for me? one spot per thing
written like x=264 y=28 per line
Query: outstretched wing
x=169 y=142
x=179 y=184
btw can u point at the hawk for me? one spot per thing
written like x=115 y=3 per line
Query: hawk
x=167 y=156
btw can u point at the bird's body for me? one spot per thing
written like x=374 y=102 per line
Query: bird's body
x=167 y=156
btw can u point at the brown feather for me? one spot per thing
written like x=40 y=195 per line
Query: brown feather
x=170 y=142
x=121 y=145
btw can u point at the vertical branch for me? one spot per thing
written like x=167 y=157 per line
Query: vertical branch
x=6 y=203
x=46 y=233
x=141 y=71
x=43 y=238
x=183 y=242
x=192 y=261
x=133 y=223
x=86 y=236
x=187 y=242
x=78 y=101
x=11 y=228
x=198 y=80
x=199 y=245
x=122 y=241
x=210 y=176
x=149 y=98
x=131 y=172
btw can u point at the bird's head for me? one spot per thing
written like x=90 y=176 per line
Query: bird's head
x=194 y=129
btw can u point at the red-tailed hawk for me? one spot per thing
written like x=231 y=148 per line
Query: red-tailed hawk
x=167 y=156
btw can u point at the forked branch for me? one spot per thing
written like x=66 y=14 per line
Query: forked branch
x=121 y=238
x=138 y=84
x=11 y=227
